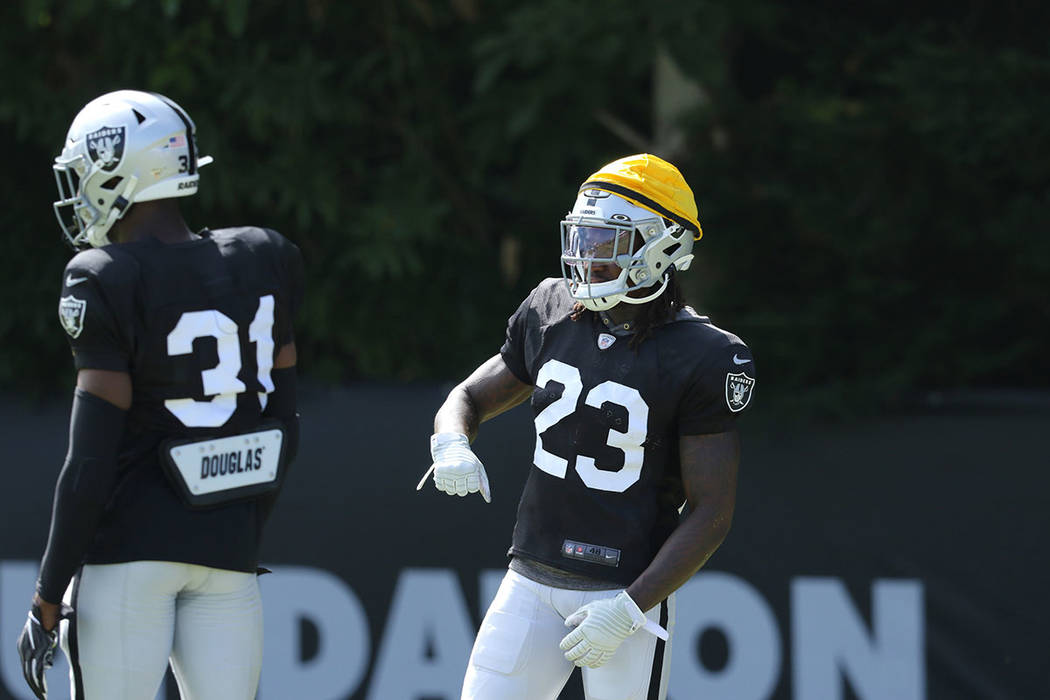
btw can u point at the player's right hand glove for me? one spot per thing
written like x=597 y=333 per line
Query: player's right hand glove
x=457 y=470
x=36 y=648
x=600 y=628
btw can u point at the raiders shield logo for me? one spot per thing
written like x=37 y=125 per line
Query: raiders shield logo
x=738 y=391
x=71 y=314
x=106 y=146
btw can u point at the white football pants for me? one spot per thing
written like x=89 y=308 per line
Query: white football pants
x=131 y=618
x=516 y=654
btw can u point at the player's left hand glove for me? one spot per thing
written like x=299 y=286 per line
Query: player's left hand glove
x=36 y=647
x=601 y=626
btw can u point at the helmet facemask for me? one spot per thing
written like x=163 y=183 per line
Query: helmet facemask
x=613 y=249
x=90 y=200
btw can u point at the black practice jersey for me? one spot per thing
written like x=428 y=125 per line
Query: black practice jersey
x=197 y=325
x=605 y=489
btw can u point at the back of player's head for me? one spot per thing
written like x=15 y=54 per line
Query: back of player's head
x=124 y=147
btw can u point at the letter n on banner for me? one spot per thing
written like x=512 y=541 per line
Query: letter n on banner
x=831 y=640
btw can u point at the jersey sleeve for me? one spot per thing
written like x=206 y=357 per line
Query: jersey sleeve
x=513 y=350
x=86 y=312
x=719 y=391
x=293 y=280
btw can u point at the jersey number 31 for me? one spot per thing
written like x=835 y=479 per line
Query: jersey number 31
x=221 y=382
x=630 y=442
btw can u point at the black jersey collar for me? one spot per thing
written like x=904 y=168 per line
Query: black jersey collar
x=624 y=329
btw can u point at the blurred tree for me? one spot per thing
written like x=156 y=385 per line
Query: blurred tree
x=870 y=182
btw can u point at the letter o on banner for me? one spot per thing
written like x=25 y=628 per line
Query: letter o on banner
x=732 y=605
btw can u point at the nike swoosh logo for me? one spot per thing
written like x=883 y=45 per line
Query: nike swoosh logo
x=72 y=281
x=740 y=361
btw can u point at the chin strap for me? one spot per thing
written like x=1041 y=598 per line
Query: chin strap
x=120 y=205
x=594 y=304
x=643 y=300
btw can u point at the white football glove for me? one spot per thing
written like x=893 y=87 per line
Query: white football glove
x=457 y=470
x=601 y=626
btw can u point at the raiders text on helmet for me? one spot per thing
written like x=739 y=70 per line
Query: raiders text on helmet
x=123 y=147
x=633 y=221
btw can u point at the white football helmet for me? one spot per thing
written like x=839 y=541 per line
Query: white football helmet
x=611 y=247
x=123 y=147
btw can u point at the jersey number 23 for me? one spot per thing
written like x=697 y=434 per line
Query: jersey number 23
x=629 y=442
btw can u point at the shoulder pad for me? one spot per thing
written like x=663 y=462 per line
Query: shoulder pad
x=90 y=261
x=109 y=264
x=251 y=234
x=688 y=313
x=551 y=300
x=256 y=237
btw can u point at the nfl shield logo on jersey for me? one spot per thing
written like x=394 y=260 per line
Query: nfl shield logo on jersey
x=106 y=146
x=738 y=391
x=71 y=314
x=605 y=341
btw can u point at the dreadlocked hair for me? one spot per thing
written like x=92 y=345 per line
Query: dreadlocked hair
x=659 y=311
x=652 y=314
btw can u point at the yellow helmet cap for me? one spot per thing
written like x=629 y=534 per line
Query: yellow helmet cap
x=652 y=183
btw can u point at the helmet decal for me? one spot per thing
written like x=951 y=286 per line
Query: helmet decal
x=106 y=146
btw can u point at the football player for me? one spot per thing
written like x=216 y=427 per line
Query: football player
x=183 y=423
x=636 y=399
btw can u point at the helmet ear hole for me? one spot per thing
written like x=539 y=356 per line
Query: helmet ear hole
x=112 y=183
x=669 y=250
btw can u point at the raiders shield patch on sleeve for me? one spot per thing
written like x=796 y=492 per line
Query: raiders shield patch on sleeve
x=71 y=314
x=738 y=391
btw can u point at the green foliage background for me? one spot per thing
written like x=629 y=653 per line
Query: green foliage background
x=874 y=181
